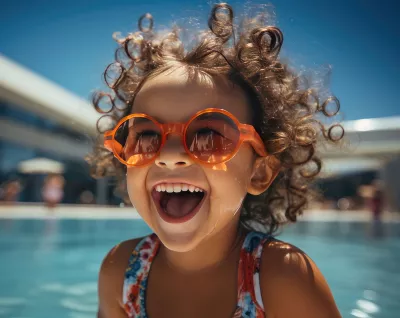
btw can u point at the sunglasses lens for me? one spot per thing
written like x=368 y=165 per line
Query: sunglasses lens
x=212 y=137
x=138 y=141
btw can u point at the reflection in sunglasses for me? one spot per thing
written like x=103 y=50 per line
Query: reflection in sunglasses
x=210 y=144
x=137 y=150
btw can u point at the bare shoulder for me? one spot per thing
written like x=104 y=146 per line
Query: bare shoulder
x=111 y=279
x=117 y=258
x=292 y=285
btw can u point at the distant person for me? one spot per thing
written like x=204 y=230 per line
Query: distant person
x=53 y=190
x=366 y=192
x=218 y=140
x=377 y=201
x=9 y=191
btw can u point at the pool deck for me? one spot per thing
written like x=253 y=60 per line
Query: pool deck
x=38 y=211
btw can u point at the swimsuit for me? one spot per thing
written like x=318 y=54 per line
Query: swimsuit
x=249 y=303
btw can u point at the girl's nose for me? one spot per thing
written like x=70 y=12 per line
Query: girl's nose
x=173 y=154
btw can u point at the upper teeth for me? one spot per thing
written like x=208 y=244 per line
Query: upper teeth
x=176 y=187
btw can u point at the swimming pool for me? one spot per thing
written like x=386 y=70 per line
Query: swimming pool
x=49 y=267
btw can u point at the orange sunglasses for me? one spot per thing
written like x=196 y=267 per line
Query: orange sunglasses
x=212 y=136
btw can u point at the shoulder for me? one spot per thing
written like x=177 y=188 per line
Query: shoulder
x=111 y=277
x=116 y=260
x=292 y=285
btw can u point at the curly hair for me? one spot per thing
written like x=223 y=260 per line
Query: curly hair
x=287 y=112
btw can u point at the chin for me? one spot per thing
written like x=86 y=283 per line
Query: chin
x=179 y=242
x=183 y=237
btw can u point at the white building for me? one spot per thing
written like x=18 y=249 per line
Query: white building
x=41 y=119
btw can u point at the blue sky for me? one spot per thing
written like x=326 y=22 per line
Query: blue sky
x=70 y=42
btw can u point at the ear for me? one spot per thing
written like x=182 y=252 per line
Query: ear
x=265 y=170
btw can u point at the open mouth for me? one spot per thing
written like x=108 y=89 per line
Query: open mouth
x=177 y=203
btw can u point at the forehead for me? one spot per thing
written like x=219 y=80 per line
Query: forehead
x=174 y=97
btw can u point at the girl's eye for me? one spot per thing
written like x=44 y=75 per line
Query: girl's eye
x=208 y=132
x=147 y=133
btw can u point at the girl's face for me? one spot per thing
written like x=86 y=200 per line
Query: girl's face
x=171 y=97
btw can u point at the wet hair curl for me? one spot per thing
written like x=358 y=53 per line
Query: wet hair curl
x=287 y=113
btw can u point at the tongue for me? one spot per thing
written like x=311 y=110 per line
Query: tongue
x=179 y=205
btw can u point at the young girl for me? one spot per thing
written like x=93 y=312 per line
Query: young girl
x=53 y=190
x=218 y=143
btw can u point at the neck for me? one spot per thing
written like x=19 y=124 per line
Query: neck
x=210 y=253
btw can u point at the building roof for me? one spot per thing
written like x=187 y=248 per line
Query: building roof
x=37 y=94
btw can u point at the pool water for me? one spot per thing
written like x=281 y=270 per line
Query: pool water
x=49 y=267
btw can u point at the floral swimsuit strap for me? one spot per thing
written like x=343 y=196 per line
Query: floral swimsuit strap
x=249 y=303
x=136 y=274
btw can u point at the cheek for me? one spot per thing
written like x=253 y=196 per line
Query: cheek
x=136 y=186
x=229 y=187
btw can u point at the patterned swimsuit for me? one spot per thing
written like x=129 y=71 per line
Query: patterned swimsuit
x=249 y=304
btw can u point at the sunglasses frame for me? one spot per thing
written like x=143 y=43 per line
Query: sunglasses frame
x=247 y=134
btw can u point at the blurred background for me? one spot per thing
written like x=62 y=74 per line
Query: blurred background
x=57 y=222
